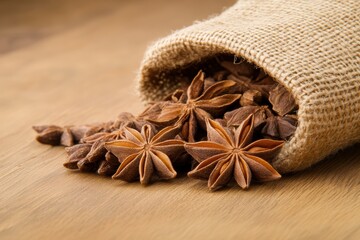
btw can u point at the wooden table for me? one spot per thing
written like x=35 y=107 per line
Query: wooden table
x=72 y=62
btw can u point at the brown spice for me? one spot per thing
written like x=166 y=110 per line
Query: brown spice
x=145 y=153
x=199 y=105
x=232 y=153
x=251 y=111
x=282 y=101
x=251 y=97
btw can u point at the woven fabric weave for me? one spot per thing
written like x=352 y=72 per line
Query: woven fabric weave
x=310 y=47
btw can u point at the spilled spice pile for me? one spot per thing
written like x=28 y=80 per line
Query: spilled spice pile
x=228 y=124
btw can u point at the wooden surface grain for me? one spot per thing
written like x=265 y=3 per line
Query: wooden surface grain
x=72 y=62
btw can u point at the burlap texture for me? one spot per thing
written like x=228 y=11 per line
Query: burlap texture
x=311 y=47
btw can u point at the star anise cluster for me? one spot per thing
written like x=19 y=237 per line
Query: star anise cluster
x=227 y=126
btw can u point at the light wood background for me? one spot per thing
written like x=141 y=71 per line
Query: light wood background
x=74 y=61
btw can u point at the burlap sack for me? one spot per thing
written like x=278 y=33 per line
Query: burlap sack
x=311 y=47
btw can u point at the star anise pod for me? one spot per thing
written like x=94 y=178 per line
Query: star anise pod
x=108 y=166
x=248 y=77
x=77 y=158
x=208 y=82
x=68 y=135
x=144 y=154
x=56 y=135
x=126 y=119
x=279 y=127
x=153 y=110
x=230 y=153
x=98 y=152
x=264 y=86
x=237 y=116
x=263 y=83
x=86 y=130
x=282 y=101
x=115 y=129
x=251 y=98
x=79 y=132
x=199 y=104
x=240 y=69
x=220 y=75
x=91 y=154
x=175 y=96
x=49 y=134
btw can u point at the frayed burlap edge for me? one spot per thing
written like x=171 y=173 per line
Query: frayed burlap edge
x=309 y=47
